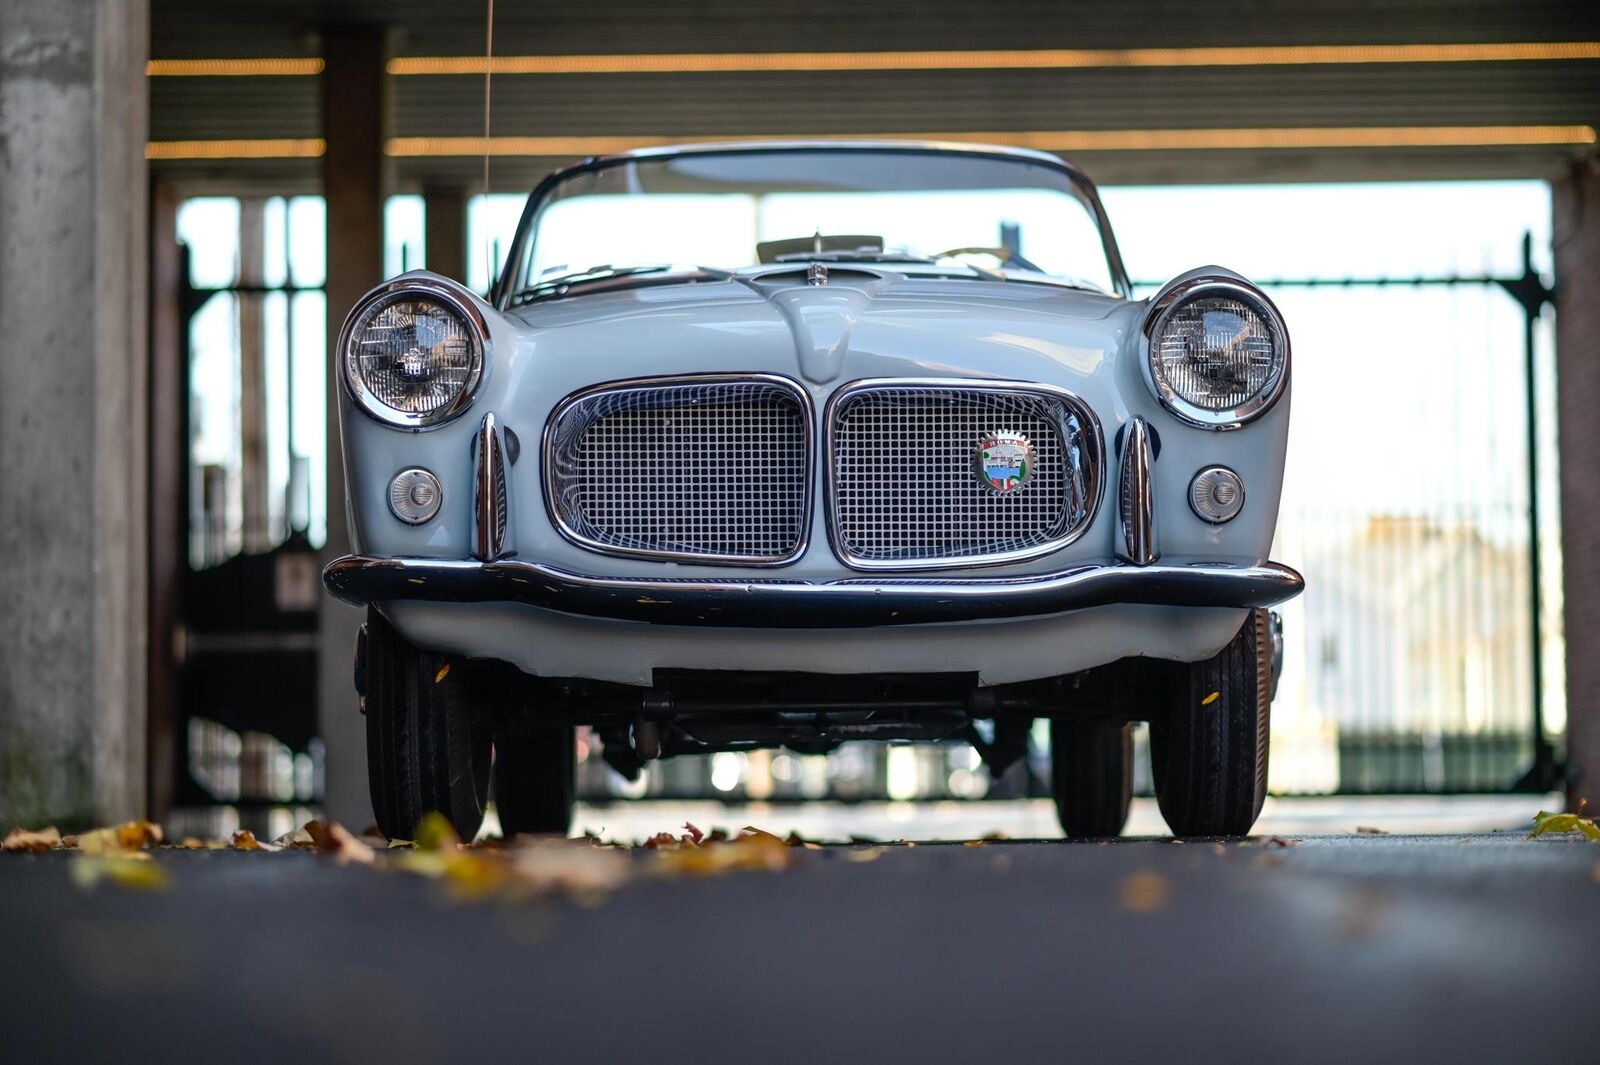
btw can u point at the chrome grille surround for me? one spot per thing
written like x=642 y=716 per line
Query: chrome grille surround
x=902 y=491
x=633 y=468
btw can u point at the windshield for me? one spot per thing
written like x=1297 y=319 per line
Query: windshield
x=711 y=213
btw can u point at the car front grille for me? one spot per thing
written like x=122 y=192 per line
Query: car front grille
x=712 y=468
x=905 y=489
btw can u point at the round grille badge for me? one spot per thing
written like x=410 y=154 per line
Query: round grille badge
x=1005 y=461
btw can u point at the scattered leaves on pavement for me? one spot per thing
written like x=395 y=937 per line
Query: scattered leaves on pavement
x=128 y=836
x=21 y=839
x=127 y=869
x=1144 y=892
x=864 y=854
x=245 y=840
x=333 y=838
x=1548 y=823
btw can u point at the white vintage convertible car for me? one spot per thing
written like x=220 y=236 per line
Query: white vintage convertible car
x=760 y=445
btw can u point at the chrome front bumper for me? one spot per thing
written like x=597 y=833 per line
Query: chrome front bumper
x=778 y=603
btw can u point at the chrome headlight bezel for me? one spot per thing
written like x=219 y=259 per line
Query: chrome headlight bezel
x=454 y=299
x=1167 y=302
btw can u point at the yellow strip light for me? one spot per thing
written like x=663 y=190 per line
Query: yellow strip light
x=996 y=59
x=986 y=59
x=232 y=68
x=1120 y=140
x=282 y=148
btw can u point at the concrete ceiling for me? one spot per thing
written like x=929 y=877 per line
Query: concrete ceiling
x=733 y=104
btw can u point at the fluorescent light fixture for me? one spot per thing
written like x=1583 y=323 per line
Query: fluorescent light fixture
x=279 y=148
x=1113 y=140
x=233 y=68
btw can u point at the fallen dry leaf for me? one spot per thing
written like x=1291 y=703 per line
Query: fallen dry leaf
x=1144 y=892
x=245 y=840
x=693 y=833
x=299 y=839
x=975 y=843
x=1368 y=830
x=333 y=838
x=128 y=836
x=193 y=843
x=1547 y=823
x=436 y=833
x=33 y=842
x=751 y=851
x=127 y=869
x=866 y=854
x=582 y=873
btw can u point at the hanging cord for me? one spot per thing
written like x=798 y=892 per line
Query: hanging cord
x=488 y=85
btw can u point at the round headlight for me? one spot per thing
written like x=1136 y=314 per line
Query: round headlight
x=1219 y=354
x=413 y=354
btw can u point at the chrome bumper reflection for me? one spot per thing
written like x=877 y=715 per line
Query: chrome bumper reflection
x=796 y=604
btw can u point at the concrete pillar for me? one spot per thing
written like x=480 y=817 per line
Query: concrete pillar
x=1577 y=254
x=445 y=231
x=73 y=366
x=355 y=120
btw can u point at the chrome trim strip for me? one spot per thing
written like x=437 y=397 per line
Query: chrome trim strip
x=572 y=535
x=458 y=299
x=1136 y=506
x=794 y=604
x=1161 y=308
x=491 y=493
x=1092 y=479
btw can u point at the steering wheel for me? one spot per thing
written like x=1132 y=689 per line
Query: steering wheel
x=1008 y=258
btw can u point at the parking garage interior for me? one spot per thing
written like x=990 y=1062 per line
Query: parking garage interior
x=1424 y=172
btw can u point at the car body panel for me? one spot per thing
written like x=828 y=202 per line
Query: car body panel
x=865 y=323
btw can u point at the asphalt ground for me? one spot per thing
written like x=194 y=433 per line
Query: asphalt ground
x=1334 y=949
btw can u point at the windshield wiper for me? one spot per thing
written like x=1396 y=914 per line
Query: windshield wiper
x=560 y=286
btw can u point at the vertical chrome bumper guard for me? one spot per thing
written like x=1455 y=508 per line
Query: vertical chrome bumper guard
x=1136 y=512
x=491 y=501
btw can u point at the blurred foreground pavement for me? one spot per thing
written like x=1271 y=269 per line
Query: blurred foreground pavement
x=1331 y=949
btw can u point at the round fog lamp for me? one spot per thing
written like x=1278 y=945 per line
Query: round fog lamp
x=1216 y=494
x=415 y=496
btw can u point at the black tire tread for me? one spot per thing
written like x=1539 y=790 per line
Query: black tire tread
x=426 y=750
x=1091 y=775
x=534 y=781
x=1210 y=759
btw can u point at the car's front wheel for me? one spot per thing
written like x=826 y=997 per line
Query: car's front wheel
x=533 y=781
x=1208 y=739
x=1091 y=775
x=428 y=740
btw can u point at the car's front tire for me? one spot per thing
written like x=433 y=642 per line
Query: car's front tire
x=428 y=740
x=1091 y=775
x=1208 y=741
x=533 y=781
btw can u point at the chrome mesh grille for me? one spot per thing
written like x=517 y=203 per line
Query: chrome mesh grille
x=905 y=486
x=708 y=470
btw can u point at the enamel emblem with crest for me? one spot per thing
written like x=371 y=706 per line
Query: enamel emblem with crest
x=1005 y=461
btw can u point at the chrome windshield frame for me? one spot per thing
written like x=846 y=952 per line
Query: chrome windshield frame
x=500 y=295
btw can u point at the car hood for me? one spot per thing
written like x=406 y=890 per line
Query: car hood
x=862 y=322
